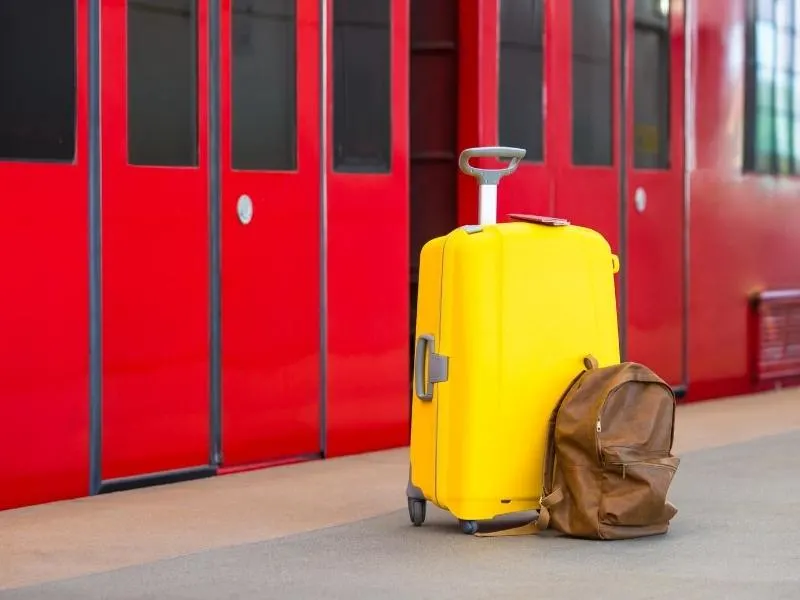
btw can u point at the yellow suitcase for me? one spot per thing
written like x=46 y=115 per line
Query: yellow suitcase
x=505 y=314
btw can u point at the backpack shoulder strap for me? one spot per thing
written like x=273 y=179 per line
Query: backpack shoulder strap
x=550 y=497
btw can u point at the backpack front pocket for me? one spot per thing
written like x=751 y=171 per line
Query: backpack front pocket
x=635 y=485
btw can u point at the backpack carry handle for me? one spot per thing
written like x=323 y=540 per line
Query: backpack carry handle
x=488 y=179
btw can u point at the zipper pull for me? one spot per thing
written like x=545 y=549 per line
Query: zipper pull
x=599 y=428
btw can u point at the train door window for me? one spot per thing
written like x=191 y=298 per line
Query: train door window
x=162 y=82
x=361 y=85
x=37 y=81
x=651 y=84
x=521 y=85
x=264 y=88
x=592 y=76
x=772 y=91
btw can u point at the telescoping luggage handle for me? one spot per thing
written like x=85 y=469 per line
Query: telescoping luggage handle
x=488 y=179
x=437 y=367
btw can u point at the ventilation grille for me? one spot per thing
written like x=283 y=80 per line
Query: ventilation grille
x=776 y=335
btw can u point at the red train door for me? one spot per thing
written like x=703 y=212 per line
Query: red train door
x=44 y=352
x=366 y=171
x=585 y=77
x=653 y=209
x=270 y=222
x=619 y=65
x=155 y=273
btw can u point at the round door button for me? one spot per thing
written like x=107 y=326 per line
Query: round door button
x=640 y=199
x=244 y=208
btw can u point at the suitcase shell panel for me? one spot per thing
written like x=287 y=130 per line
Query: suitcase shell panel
x=514 y=307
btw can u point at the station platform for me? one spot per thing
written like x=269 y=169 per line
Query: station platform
x=339 y=529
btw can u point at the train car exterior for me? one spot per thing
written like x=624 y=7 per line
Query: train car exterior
x=212 y=209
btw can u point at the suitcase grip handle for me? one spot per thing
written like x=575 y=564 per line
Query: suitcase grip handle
x=490 y=176
x=437 y=367
x=423 y=389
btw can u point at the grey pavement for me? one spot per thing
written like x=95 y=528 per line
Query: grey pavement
x=736 y=537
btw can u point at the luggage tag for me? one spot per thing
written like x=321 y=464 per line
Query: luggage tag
x=539 y=220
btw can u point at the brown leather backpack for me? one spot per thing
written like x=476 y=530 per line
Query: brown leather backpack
x=609 y=461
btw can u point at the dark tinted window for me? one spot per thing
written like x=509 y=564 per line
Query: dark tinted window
x=361 y=85
x=521 y=82
x=37 y=80
x=591 y=82
x=264 y=84
x=772 y=90
x=651 y=87
x=162 y=82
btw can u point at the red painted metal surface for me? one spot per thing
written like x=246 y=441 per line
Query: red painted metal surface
x=741 y=225
x=44 y=353
x=155 y=262
x=155 y=284
x=270 y=279
x=367 y=224
x=655 y=253
x=531 y=189
x=744 y=228
x=586 y=195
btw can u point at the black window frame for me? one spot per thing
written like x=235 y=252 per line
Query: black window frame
x=71 y=147
x=194 y=86
x=658 y=23
x=758 y=159
x=291 y=164
x=344 y=162
x=608 y=157
x=507 y=98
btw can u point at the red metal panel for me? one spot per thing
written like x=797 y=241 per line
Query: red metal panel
x=532 y=187
x=270 y=279
x=367 y=220
x=155 y=284
x=654 y=255
x=590 y=195
x=586 y=195
x=743 y=227
x=44 y=354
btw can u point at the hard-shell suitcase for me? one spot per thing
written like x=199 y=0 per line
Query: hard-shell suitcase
x=505 y=314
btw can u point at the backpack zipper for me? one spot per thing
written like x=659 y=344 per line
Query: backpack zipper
x=598 y=425
x=625 y=465
x=598 y=430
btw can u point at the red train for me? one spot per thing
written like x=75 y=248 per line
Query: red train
x=212 y=209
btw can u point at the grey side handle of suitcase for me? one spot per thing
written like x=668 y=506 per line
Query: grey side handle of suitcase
x=437 y=367
x=489 y=179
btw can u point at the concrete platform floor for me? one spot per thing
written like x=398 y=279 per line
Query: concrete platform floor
x=339 y=528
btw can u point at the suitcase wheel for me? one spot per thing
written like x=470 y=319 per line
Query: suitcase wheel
x=469 y=527
x=416 y=511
